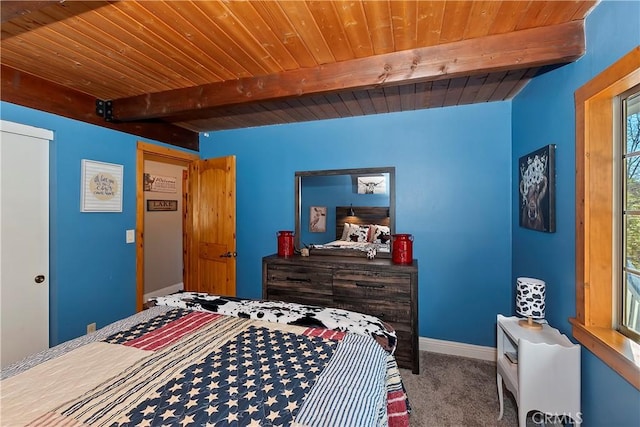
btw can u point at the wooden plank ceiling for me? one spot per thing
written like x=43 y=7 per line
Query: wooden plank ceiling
x=167 y=70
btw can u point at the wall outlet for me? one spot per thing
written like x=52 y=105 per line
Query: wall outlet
x=91 y=327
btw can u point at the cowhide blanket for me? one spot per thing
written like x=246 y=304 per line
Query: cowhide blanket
x=284 y=312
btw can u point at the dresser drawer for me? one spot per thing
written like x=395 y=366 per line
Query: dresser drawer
x=371 y=285
x=398 y=315
x=302 y=285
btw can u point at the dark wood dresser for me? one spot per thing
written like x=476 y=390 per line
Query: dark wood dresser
x=376 y=287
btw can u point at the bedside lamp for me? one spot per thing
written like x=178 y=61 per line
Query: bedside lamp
x=530 y=295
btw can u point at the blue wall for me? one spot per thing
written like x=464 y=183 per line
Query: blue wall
x=544 y=113
x=92 y=275
x=453 y=193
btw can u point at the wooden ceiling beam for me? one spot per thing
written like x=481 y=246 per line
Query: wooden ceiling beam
x=533 y=47
x=33 y=92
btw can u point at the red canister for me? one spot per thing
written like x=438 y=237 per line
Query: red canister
x=402 y=249
x=285 y=243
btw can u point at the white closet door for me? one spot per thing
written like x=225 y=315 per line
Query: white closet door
x=24 y=237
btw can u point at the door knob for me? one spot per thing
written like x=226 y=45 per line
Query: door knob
x=39 y=278
x=229 y=255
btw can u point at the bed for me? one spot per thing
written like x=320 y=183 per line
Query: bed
x=366 y=231
x=197 y=359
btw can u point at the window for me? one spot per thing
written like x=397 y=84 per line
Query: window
x=596 y=324
x=629 y=308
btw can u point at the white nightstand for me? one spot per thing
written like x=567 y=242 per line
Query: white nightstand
x=546 y=372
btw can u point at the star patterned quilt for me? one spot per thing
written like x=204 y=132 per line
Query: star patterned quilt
x=186 y=367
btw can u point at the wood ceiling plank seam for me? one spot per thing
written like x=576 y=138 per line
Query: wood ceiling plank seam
x=300 y=109
x=231 y=121
x=305 y=26
x=430 y=18
x=534 y=17
x=456 y=15
x=454 y=91
x=256 y=25
x=150 y=41
x=470 y=92
x=327 y=108
x=481 y=18
x=314 y=109
x=485 y=94
x=291 y=111
x=524 y=80
x=351 y=103
x=332 y=29
x=139 y=38
x=564 y=13
x=378 y=16
x=272 y=109
x=509 y=14
x=280 y=25
x=378 y=99
x=207 y=125
x=403 y=17
x=392 y=98
x=584 y=8
x=231 y=26
x=365 y=102
x=353 y=18
x=337 y=103
x=92 y=44
x=423 y=95
x=16 y=9
x=76 y=75
x=407 y=97
x=507 y=84
x=511 y=83
x=37 y=19
x=236 y=61
x=438 y=94
x=247 y=115
x=34 y=22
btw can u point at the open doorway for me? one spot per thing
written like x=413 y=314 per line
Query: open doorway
x=159 y=269
x=163 y=228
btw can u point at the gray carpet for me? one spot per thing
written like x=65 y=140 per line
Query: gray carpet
x=456 y=391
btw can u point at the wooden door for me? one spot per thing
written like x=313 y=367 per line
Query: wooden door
x=212 y=226
x=24 y=231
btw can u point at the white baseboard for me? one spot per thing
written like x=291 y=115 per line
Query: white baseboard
x=457 y=349
x=164 y=291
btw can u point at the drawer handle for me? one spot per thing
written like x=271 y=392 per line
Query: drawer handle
x=370 y=285
x=295 y=279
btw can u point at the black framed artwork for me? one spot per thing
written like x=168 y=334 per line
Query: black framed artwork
x=537 y=190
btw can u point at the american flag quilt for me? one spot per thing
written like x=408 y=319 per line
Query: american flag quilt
x=198 y=368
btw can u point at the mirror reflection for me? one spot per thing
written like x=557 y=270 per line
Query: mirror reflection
x=345 y=211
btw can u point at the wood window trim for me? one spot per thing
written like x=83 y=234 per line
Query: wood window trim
x=593 y=324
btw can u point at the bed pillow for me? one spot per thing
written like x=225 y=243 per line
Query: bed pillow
x=380 y=234
x=358 y=233
x=345 y=232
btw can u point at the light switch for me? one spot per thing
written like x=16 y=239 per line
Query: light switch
x=131 y=236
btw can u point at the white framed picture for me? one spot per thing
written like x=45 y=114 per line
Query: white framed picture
x=372 y=185
x=318 y=219
x=101 y=187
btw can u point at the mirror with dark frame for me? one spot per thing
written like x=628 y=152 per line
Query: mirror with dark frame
x=345 y=212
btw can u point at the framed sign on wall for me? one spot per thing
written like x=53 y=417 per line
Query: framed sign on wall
x=101 y=187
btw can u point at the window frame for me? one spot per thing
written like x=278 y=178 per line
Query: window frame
x=624 y=214
x=594 y=324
